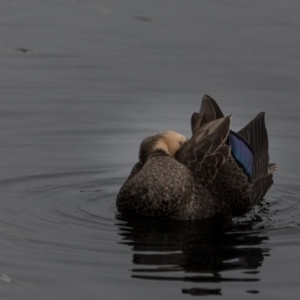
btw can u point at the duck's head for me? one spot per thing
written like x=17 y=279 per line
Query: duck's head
x=168 y=142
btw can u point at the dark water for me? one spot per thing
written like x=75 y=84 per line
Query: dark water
x=82 y=83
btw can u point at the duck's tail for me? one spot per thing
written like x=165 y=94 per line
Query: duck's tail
x=272 y=168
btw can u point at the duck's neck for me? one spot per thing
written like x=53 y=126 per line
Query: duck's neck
x=159 y=152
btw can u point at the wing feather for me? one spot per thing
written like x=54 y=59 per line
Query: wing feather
x=206 y=151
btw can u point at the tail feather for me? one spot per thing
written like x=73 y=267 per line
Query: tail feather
x=272 y=168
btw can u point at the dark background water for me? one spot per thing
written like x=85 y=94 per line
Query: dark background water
x=82 y=83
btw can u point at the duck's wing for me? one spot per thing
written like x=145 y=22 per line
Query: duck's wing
x=206 y=151
x=239 y=191
x=233 y=166
x=209 y=111
x=255 y=133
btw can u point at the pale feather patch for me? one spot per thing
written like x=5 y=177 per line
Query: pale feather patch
x=170 y=142
x=272 y=168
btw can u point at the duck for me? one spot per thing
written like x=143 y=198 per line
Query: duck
x=217 y=172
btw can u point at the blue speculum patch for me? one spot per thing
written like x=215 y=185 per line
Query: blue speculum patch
x=241 y=152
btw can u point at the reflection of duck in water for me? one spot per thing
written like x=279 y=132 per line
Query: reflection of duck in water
x=199 y=253
x=217 y=171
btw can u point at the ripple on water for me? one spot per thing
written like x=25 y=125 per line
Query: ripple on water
x=66 y=208
x=72 y=217
x=280 y=209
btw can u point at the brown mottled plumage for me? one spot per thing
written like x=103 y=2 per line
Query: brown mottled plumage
x=183 y=179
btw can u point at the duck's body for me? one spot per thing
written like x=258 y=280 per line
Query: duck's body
x=165 y=188
x=215 y=172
